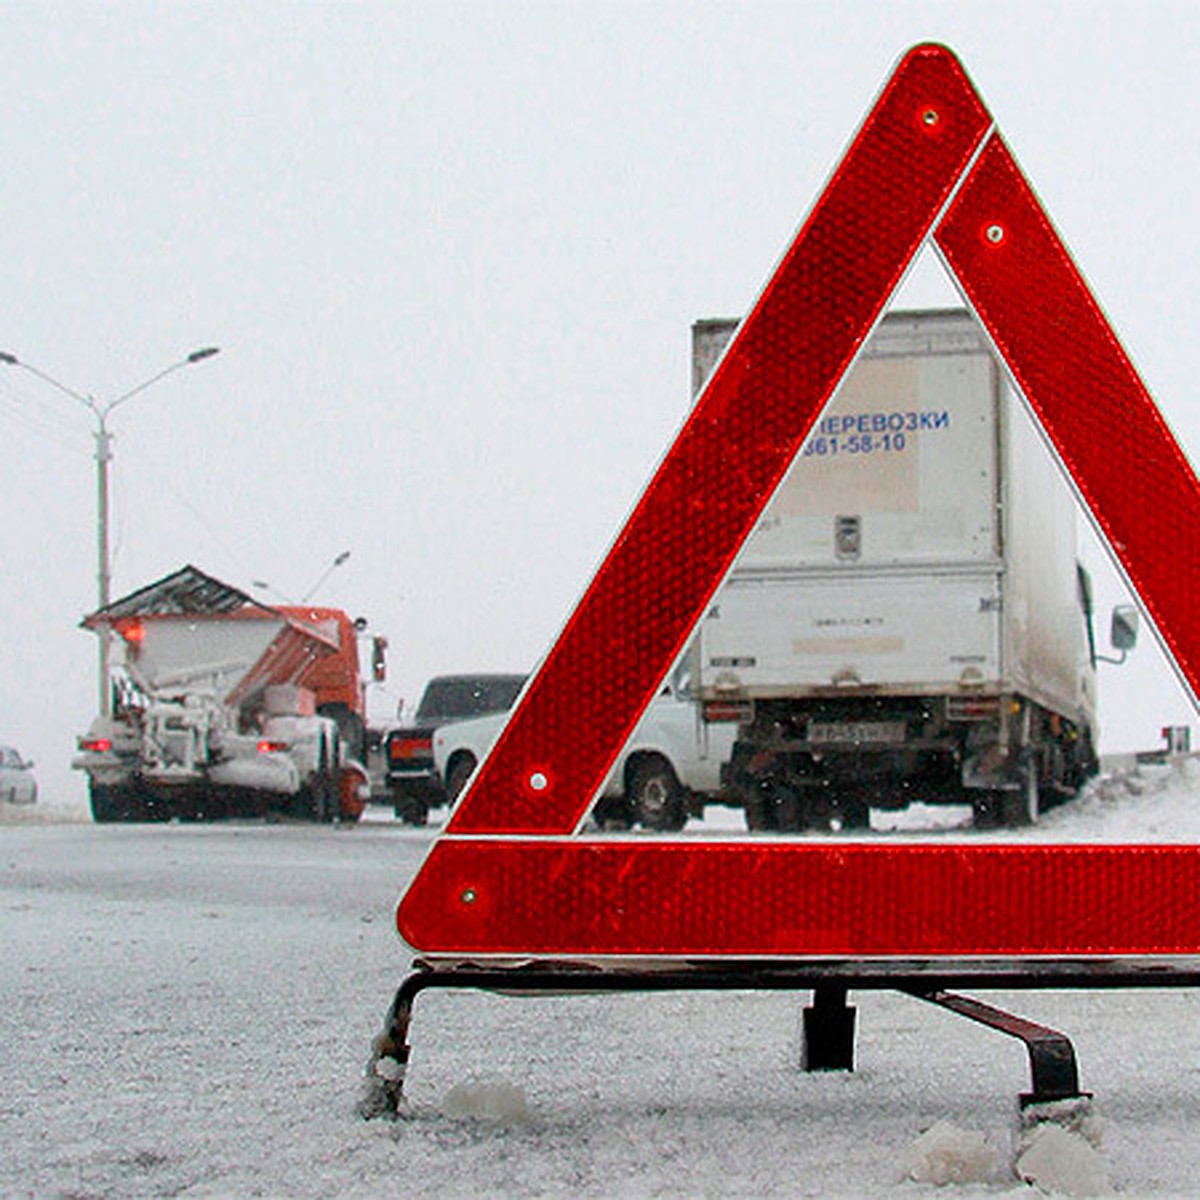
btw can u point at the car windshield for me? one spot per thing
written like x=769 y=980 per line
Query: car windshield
x=469 y=697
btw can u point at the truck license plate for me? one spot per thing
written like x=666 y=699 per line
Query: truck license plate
x=856 y=733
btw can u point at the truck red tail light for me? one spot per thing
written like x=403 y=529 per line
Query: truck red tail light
x=720 y=711
x=972 y=708
x=269 y=747
x=96 y=745
x=134 y=632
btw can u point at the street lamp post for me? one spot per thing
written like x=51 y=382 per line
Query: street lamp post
x=103 y=457
x=333 y=566
x=263 y=586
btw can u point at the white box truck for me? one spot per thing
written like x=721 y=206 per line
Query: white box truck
x=909 y=621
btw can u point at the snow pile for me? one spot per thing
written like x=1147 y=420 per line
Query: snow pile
x=46 y=811
x=1062 y=1162
x=1148 y=803
x=947 y=1154
x=1057 y=1153
x=490 y=1099
x=1130 y=803
x=1058 y=1150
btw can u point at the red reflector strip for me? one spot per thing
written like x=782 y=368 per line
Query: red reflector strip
x=265 y=747
x=96 y=745
x=694 y=899
x=531 y=891
x=1093 y=406
x=740 y=438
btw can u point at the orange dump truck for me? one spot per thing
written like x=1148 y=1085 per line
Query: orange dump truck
x=224 y=706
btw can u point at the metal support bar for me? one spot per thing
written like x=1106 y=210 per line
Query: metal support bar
x=383 y=1094
x=1051 y=1056
x=829 y=1030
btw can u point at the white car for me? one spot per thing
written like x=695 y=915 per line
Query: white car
x=17 y=784
x=669 y=770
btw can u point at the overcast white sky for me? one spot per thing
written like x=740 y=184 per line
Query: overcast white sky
x=451 y=254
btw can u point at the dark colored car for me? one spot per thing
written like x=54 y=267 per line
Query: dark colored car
x=411 y=776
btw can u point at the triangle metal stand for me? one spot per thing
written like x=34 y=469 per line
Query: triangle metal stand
x=829 y=1023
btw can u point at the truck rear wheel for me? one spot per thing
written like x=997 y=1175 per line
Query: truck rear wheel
x=105 y=803
x=312 y=801
x=124 y=802
x=317 y=800
x=850 y=812
x=759 y=807
x=987 y=805
x=1021 y=806
x=655 y=797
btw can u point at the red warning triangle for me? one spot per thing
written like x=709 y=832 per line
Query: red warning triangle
x=508 y=880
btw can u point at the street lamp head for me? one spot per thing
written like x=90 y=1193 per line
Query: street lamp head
x=10 y=359
x=208 y=351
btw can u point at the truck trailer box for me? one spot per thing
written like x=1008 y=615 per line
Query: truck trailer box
x=917 y=563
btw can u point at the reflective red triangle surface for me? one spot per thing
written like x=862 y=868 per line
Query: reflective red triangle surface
x=507 y=878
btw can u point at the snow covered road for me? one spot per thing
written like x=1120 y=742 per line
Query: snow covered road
x=186 y=1010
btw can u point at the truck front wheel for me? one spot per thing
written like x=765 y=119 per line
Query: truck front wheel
x=655 y=797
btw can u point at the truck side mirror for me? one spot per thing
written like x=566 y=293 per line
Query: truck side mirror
x=1124 y=633
x=681 y=683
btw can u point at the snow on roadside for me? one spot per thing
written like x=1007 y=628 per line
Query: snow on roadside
x=489 y=1099
x=1146 y=803
x=44 y=812
x=234 y=974
x=1132 y=803
x=944 y=1154
x=1062 y=1161
x=1055 y=1157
